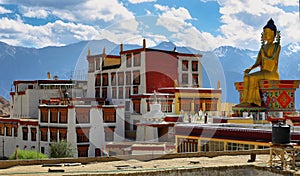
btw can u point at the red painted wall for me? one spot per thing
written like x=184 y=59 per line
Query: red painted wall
x=161 y=70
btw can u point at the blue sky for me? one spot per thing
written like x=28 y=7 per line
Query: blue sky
x=201 y=24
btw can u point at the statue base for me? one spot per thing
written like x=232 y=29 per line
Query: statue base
x=276 y=96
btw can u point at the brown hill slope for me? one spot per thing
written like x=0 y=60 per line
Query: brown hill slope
x=4 y=106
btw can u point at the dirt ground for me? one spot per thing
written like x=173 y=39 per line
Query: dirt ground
x=135 y=165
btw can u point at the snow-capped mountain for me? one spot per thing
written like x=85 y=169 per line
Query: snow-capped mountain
x=225 y=63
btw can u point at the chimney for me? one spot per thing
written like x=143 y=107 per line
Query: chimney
x=144 y=43
x=121 y=47
x=103 y=51
x=89 y=52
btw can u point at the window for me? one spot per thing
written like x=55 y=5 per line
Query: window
x=83 y=150
x=185 y=65
x=63 y=115
x=1 y=129
x=128 y=60
x=8 y=129
x=104 y=79
x=194 y=65
x=15 y=130
x=137 y=59
x=44 y=134
x=44 y=115
x=187 y=145
x=121 y=78
x=109 y=115
x=82 y=115
x=97 y=63
x=62 y=133
x=109 y=133
x=214 y=145
x=195 y=80
x=137 y=106
x=127 y=92
x=98 y=152
x=185 y=105
x=82 y=135
x=136 y=76
x=127 y=125
x=127 y=106
x=166 y=106
x=239 y=146
x=135 y=89
x=53 y=135
x=104 y=92
x=97 y=92
x=97 y=80
x=211 y=106
x=114 y=92
x=42 y=149
x=128 y=78
x=91 y=66
x=25 y=133
x=185 y=78
x=262 y=147
x=121 y=93
x=33 y=134
x=53 y=115
x=113 y=79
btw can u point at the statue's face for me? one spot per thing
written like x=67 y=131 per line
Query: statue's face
x=268 y=34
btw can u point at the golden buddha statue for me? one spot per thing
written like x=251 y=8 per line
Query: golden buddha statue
x=267 y=59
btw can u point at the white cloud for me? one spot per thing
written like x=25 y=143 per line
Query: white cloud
x=104 y=10
x=79 y=11
x=34 y=12
x=117 y=37
x=173 y=19
x=4 y=10
x=57 y=33
x=65 y=15
x=284 y=2
x=83 y=20
x=140 y=1
x=193 y=38
x=160 y=7
x=243 y=21
x=183 y=33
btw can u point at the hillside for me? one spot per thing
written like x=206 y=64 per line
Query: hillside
x=4 y=106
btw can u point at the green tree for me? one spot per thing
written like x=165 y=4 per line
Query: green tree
x=61 y=149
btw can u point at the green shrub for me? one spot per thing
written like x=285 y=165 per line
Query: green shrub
x=61 y=149
x=28 y=154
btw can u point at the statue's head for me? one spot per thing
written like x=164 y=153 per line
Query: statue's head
x=271 y=25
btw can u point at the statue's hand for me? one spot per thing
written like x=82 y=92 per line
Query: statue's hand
x=247 y=70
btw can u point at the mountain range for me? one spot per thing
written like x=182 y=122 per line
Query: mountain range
x=224 y=64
